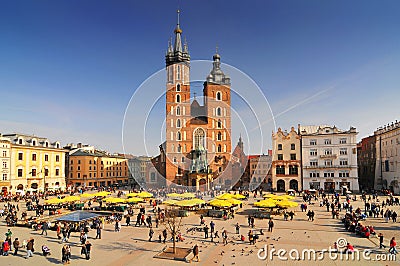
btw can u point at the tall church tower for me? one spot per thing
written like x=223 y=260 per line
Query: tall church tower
x=217 y=95
x=178 y=135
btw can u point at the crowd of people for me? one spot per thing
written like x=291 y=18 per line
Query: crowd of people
x=355 y=220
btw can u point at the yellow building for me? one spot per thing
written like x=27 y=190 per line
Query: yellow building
x=36 y=164
x=89 y=168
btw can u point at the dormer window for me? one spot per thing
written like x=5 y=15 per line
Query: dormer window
x=46 y=144
x=33 y=142
x=20 y=141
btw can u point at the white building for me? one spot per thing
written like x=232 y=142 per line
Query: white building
x=329 y=158
x=138 y=169
x=387 y=171
x=259 y=167
x=5 y=164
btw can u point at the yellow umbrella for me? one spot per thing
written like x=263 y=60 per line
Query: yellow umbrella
x=224 y=196
x=54 y=201
x=189 y=203
x=71 y=199
x=174 y=195
x=287 y=204
x=87 y=195
x=114 y=200
x=220 y=203
x=170 y=202
x=238 y=196
x=198 y=201
x=277 y=197
x=101 y=194
x=134 y=199
x=187 y=195
x=132 y=194
x=234 y=201
x=265 y=204
x=185 y=203
x=145 y=194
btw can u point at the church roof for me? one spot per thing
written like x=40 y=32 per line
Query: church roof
x=199 y=120
x=196 y=110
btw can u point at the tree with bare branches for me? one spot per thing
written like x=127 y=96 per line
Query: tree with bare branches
x=173 y=224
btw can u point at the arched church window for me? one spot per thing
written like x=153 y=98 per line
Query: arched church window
x=179 y=148
x=199 y=138
x=178 y=87
x=219 y=96
x=219 y=148
x=219 y=112
x=219 y=136
x=178 y=98
x=178 y=136
x=219 y=123
x=178 y=123
x=178 y=110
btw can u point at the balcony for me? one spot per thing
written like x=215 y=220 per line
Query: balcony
x=328 y=166
x=328 y=156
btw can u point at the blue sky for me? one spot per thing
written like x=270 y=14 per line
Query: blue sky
x=69 y=68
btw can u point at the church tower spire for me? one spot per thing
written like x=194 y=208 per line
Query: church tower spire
x=178 y=38
x=177 y=53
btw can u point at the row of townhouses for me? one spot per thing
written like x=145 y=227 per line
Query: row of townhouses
x=309 y=157
x=314 y=157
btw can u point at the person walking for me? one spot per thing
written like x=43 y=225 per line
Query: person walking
x=67 y=254
x=98 y=231
x=151 y=233
x=392 y=249
x=380 y=235
x=16 y=244
x=225 y=237
x=88 y=247
x=5 y=248
x=8 y=238
x=206 y=231
x=195 y=253
x=44 y=227
x=58 y=229
x=117 y=226
x=270 y=225
x=212 y=227
x=237 y=226
x=30 y=248
x=164 y=235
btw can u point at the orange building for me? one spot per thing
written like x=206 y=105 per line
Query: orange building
x=198 y=136
x=97 y=169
